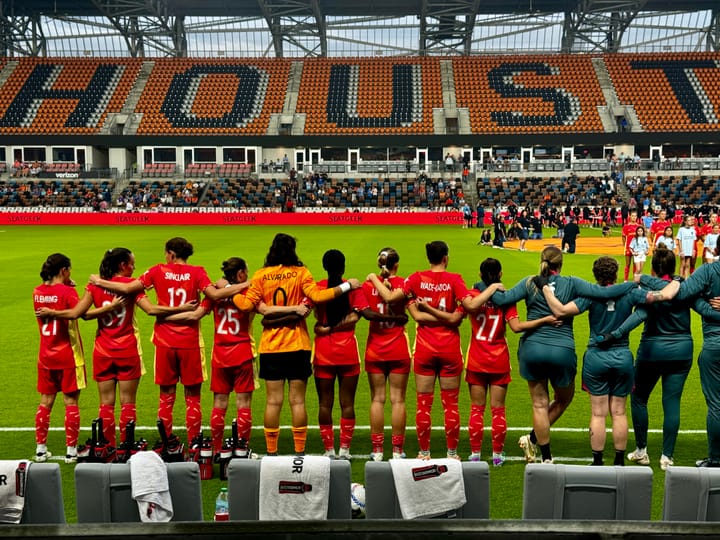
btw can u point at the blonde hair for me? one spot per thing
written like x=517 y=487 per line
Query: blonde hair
x=551 y=260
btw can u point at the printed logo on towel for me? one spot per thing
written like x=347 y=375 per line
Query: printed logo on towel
x=20 y=479
x=430 y=471
x=289 y=486
x=286 y=486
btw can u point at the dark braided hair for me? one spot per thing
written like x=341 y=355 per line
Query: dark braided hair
x=53 y=265
x=111 y=261
x=334 y=264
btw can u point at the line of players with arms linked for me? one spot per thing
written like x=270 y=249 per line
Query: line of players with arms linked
x=284 y=292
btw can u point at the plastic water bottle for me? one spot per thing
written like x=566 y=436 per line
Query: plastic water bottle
x=222 y=508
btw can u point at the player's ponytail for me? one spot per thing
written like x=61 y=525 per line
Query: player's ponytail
x=551 y=260
x=111 y=261
x=53 y=265
x=490 y=271
x=387 y=260
x=231 y=267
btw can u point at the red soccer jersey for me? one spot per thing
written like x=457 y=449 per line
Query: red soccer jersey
x=60 y=343
x=386 y=340
x=488 y=350
x=658 y=227
x=628 y=231
x=117 y=334
x=232 y=333
x=443 y=291
x=176 y=284
x=339 y=347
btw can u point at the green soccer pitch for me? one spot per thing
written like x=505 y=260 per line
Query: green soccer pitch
x=24 y=249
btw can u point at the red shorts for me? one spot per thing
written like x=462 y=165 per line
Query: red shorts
x=387 y=366
x=240 y=379
x=432 y=364
x=184 y=365
x=330 y=372
x=67 y=381
x=106 y=368
x=487 y=379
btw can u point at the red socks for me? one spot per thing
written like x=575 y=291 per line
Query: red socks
x=107 y=414
x=452 y=417
x=193 y=416
x=499 y=428
x=165 y=411
x=72 y=425
x=423 y=421
x=347 y=428
x=217 y=428
x=476 y=425
x=42 y=424
x=128 y=412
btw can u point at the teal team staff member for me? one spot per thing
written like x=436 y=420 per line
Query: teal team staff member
x=705 y=284
x=547 y=353
x=665 y=352
x=607 y=373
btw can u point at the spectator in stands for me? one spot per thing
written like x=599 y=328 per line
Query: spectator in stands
x=449 y=162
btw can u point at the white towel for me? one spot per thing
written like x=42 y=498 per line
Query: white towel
x=428 y=488
x=13 y=477
x=294 y=487
x=150 y=488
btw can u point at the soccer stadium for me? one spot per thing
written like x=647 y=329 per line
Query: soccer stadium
x=465 y=134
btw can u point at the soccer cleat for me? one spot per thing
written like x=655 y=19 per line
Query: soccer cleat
x=639 y=456
x=42 y=457
x=398 y=455
x=330 y=453
x=498 y=459
x=71 y=458
x=474 y=456
x=666 y=462
x=344 y=453
x=452 y=454
x=424 y=455
x=376 y=456
x=528 y=448
x=548 y=461
x=707 y=462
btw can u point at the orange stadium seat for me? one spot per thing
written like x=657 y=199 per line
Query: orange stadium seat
x=669 y=92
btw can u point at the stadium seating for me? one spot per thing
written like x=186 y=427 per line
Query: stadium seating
x=103 y=493
x=370 y=95
x=55 y=193
x=77 y=94
x=537 y=94
x=580 y=492
x=692 y=494
x=44 y=496
x=669 y=92
x=361 y=96
x=211 y=96
x=244 y=485
x=381 y=497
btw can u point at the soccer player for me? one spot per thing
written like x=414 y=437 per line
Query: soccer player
x=547 y=355
x=607 y=373
x=704 y=285
x=117 y=355
x=437 y=341
x=628 y=233
x=179 y=350
x=233 y=355
x=285 y=349
x=659 y=227
x=665 y=353
x=336 y=357
x=61 y=361
x=387 y=357
x=487 y=368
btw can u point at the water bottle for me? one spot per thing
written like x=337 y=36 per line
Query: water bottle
x=222 y=508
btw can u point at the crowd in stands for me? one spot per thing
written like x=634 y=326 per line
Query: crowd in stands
x=22 y=169
x=62 y=193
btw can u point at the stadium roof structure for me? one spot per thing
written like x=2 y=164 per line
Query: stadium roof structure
x=331 y=28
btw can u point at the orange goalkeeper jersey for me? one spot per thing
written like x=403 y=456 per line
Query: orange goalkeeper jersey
x=283 y=286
